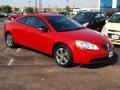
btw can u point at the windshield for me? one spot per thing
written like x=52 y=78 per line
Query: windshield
x=115 y=18
x=84 y=16
x=63 y=23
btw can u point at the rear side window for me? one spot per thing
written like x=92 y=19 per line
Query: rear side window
x=23 y=20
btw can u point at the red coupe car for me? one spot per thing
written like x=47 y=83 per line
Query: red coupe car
x=59 y=36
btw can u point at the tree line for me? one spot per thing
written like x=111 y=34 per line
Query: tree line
x=8 y=9
x=5 y=9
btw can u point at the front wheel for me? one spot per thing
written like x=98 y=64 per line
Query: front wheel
x=63 y=56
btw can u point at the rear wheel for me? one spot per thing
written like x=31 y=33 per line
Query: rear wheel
x=10 y=41
x=63 y=56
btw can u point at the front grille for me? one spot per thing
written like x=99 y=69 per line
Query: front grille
x=114 y=30
x=107 y=47
x=110 y=35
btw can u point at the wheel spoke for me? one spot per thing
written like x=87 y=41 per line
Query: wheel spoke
x=66 y=53
x=61 y=51
x=62 y=56
x=61 y=59
x=65 y=59
x=58 y=54
x=9 y=40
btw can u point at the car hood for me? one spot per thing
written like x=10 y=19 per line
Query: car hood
x=86 y=35
x=112 y=26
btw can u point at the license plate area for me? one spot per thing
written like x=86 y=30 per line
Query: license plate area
x=110 y=54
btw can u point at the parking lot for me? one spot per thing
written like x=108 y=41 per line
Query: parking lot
x=25 y=69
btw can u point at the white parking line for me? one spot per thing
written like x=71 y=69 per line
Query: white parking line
x=42 y=79
x=18 y=50
x=10 y=62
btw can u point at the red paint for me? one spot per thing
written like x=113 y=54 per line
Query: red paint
x=45 y=41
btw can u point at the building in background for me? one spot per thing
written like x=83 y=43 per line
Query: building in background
x=107 y=4
x=118 y=4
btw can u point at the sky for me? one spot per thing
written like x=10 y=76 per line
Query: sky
x=52 y=3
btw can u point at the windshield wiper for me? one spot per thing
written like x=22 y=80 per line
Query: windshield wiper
x=79 y=28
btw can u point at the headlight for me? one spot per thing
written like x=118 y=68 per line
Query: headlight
x=104 y=30
x=86 y=24
x=86 y=45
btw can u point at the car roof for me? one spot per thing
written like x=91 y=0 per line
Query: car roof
x=45 y=14
x=89 y=12
x=40 y=14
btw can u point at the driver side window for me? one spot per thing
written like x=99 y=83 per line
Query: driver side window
x=36 y=22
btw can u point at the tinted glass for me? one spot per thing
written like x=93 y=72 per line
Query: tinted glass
x=36 y=22
x=115 y=18
x=98 y=15
x=99 y=18
x=84 y=16
x=22 y=20
x=63 y=23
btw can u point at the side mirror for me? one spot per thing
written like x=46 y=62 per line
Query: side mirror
x=44 y=29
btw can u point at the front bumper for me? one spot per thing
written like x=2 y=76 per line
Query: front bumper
x=116 y=41
x=91 y=56
x=114 y=33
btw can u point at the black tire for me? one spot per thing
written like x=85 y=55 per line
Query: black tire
x=9 y=40
x=65 y=59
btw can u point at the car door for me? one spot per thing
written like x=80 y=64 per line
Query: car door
x=38 y=39
x=19 y=31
